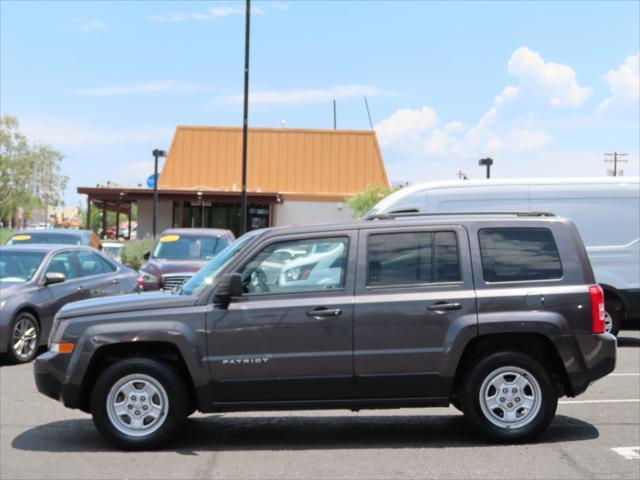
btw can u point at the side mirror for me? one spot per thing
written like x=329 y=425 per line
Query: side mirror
x=146 y=255
x=230 y=286
x=51 y=278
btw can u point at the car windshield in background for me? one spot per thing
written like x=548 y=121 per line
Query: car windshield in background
x=113 y=250
x=44 y=237
x=185 y=247
x=209 y=273
x=19 y=267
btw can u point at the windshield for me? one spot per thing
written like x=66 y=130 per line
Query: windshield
x=185 y=247
x=209 y=273
x=19 y=267
x=44 y=237
x=112 y=249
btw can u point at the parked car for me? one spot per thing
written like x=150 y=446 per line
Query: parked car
x=60 y=236
x=497 y=314
x=36 y=280
x=113 y=249
x=606 y=211
x=179 y=253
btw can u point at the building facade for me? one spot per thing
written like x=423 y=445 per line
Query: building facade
x=294 y=176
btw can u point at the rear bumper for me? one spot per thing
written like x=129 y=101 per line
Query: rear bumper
x=600 y=361
x=50 y=380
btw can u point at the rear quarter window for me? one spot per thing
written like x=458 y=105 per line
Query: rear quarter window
x=519 y=254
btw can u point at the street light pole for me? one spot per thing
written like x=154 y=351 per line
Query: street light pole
x=245 y=122
x=487 y=162
x=156 y=154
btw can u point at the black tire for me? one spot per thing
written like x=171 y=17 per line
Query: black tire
x=481 y=421
x=176 y=395
x=22 y=355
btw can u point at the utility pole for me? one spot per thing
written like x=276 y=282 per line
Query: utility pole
x=461 y=175
x=335 y=120
x=245 y=122
x=615 y=160
x=156 y=154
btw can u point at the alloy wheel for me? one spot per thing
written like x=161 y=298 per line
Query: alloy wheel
x=24 y=338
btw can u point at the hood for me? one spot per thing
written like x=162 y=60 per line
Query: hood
x=8 y=289
x=159 y=266
x=125 y=303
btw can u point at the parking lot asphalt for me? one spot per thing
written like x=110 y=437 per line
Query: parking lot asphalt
x=594 y=436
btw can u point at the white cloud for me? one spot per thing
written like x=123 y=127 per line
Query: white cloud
x=208 y=14
x=279 y=6
x=74 y=134
x=91 y=25
x=505 y=129
x=150 y=87
x=304 y=96
x=555 y=81
x=406 y=123
x=624 y=84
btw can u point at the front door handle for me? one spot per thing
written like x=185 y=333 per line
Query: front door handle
x=444 y=307
x=324 y=312
x=82 y=289
x=115 y=281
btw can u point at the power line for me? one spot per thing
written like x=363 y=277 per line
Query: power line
x=615 y=160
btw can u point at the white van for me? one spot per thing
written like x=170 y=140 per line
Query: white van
x=606 y=211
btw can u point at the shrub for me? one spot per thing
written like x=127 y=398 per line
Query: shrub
x=5 y=234
x=365 y=200
x=133 y=251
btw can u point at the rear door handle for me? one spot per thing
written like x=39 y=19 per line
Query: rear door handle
x=82 y=289
x=115 y=281
x=324 y=312
x=444 y=307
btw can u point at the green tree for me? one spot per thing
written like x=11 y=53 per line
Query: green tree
x=30 y=173
x=365 y=200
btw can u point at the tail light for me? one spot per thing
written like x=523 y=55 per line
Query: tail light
x=140 y=281
x=597 y=308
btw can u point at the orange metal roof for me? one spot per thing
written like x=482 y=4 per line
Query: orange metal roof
x=285 y=160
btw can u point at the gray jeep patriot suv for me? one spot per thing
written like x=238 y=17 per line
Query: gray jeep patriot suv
x=497 y=314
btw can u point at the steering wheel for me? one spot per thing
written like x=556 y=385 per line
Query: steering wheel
x=259 y=281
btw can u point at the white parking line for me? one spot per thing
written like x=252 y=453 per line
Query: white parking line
x=616 y=400
x=629 y=453
x=624 y=375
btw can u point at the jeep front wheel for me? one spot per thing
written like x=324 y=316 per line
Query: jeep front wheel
x=139 y=403
x=509 y=397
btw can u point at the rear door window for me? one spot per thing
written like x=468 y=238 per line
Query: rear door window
x=519 y=254
x=412 y=258
x=90 y=264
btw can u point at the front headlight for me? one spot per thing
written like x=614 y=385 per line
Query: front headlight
x=293 y=274
x=2 y=303
x=148 y=278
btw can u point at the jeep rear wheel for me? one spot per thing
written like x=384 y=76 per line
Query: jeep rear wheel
x=139 y=403
x=508 y=397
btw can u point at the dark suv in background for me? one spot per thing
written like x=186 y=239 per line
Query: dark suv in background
x=179 y=253
x=497 y=314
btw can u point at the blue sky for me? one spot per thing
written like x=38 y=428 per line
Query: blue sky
x=545 y=88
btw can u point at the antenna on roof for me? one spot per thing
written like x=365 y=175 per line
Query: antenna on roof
x=366 y=104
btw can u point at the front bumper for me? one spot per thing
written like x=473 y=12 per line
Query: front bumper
x=48 y=371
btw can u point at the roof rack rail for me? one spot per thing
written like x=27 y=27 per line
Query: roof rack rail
x=392 y=216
